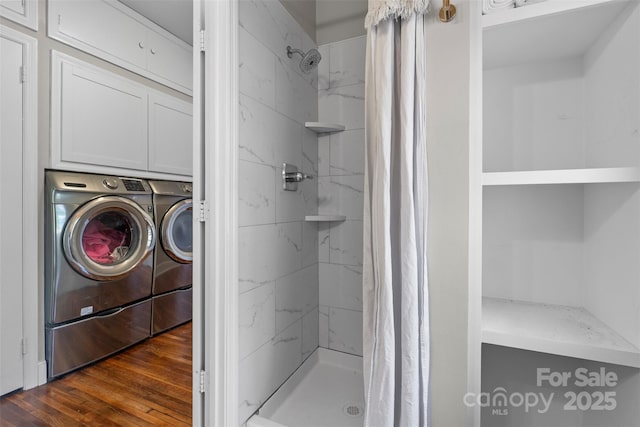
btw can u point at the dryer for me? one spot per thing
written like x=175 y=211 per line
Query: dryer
x=172 y=283
x=99 y=237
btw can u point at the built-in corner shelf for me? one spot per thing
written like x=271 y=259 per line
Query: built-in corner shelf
x=325 y=218
x=555 y=329
x=320 y=127
x=562 y=176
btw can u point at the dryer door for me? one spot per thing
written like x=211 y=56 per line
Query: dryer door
x=176 y=232
x=108 y=237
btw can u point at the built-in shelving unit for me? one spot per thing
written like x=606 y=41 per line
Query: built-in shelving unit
x=320 y=127
x=561 y=179
x=560 y=201
x=325 y=218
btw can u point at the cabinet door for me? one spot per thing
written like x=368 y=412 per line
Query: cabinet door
x=23 y=12
x=11 y=137
x=170 y=59
x=99 y=28
x=103 y=118
x=170 y=135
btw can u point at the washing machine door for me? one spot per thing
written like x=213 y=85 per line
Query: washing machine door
x=176 y=231
x=108 y=237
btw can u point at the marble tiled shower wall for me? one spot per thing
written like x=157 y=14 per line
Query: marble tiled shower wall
x=278 y=251
x=340 y=191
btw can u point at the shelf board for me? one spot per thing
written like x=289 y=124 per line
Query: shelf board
x=554 y=329
x=562 y=176
x=324 y=218
x=320 y=127
x=545 y=31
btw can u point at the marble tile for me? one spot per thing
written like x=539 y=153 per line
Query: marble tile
x=295 y=97
x=341 y=286
x=324 y=66
x=344 y=105
x=309 y=243
x=296 y=295
x=256 y=201
x=257 y=264
x=348 y=62
x=266 y=136
x=310 y=333
x=324 y=154
x=287 y=248
x=257 y=318
x=323 y=326
x=264 y=370
x=257 y=131
x=269 y=22
x=345 y=243
x=324 y=240
x=309 y=190
x=310 y=152
x=345 y=330
x=290 y=205
x=347 y=153
x=257 y=68
x=342 y=195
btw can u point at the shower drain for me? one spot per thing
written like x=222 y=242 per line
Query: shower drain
x=352 y=410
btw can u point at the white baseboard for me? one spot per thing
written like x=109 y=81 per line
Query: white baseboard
x=42 y=372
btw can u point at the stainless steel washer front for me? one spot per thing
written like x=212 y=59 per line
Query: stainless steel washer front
x=99 y=237
x=172 y=281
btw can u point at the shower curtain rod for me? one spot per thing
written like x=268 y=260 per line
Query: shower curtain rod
x=447 y=11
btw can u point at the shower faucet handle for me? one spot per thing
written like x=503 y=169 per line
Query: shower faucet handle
x=296 y=176
x=291 y=177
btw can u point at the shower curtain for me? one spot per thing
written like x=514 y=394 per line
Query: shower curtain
x=395 y=292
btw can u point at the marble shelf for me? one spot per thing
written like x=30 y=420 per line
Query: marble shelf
x=320 y=127
x=555 y=329
x=324 y=218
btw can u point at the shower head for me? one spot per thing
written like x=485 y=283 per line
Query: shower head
x=309 y=60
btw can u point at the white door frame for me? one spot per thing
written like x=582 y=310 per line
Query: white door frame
x=30 y=208
x=215 y=273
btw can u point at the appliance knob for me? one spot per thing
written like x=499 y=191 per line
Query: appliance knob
x=110 y=183
x=187 y=188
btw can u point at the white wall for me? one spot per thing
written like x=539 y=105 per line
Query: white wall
x=303 y=11
x=448 y=77
x=339 y=19
x=278 y=251
x=341 y=191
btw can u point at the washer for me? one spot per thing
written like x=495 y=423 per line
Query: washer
x=99 y=235
x=172 y=292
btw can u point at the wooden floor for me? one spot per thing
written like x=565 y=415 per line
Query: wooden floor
x=146 y=385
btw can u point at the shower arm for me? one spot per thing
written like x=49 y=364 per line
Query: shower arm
x=291 y=51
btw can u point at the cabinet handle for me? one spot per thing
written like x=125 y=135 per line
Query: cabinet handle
x=141 y=45
x=153 y=51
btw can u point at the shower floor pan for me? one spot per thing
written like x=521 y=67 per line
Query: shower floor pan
x=327 y=390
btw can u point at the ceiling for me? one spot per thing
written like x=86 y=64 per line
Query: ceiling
x=175 y=16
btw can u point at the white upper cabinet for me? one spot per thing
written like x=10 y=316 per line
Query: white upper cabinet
x=102 y=122
x=103 y=119
x=170 y=58
x=111 y=31
x=23 y=12
x=170 y=126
